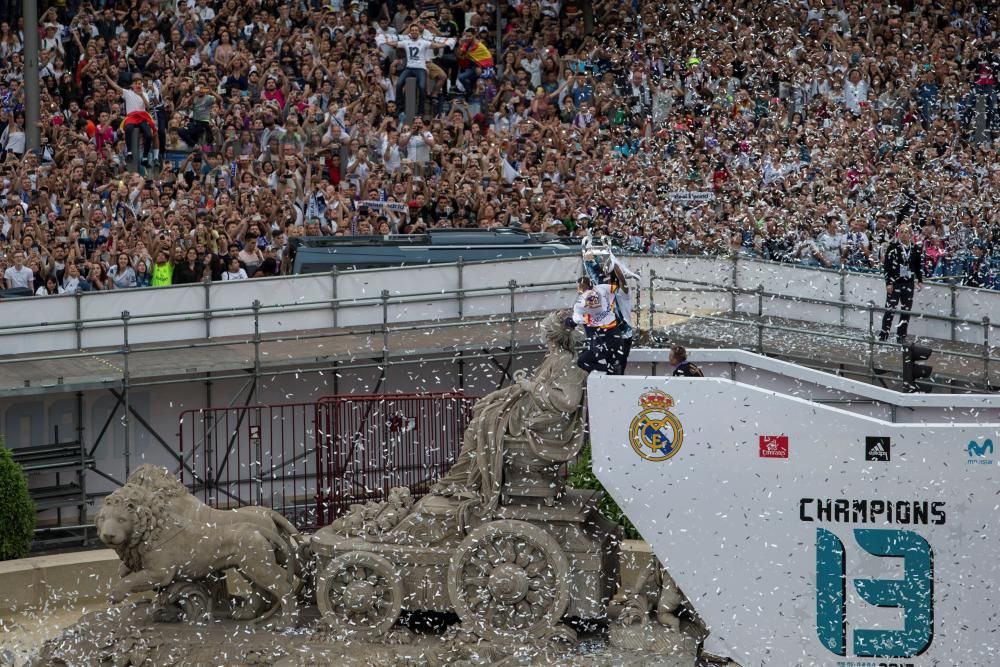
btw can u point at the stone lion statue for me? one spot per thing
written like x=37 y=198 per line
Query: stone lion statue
x=160 y=480
x=159 y=546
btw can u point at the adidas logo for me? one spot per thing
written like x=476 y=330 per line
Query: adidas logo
x=877 y=448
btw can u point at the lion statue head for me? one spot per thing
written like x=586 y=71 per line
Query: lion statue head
x=157 y=479
x=130 y=518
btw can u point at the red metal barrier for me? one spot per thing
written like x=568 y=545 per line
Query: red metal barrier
x=370 y=444
x=311 y=461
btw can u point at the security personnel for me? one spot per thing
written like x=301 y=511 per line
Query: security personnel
x=903 y=267
x=595 y=310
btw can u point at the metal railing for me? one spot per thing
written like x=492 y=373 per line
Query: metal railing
x=312 y=461
x=873 y=312
x=370 y=444
x=79 y=321
x=250 y=455
x=76 y=328
x=510 y=322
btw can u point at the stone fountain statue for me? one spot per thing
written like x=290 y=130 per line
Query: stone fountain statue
x=519 y=437
x=166 y=543
x=499 y=541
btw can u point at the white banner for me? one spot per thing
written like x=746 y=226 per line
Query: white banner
x=380 y=205
x=692 y=196
x=807 y=535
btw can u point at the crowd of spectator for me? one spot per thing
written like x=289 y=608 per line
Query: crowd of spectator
x=803 y=132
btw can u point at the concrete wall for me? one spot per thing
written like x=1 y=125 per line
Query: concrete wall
x=287 y=303
x=59 y=580
x=304 y=302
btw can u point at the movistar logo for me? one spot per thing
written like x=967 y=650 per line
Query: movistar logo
x=980 y=450
x=980 y=454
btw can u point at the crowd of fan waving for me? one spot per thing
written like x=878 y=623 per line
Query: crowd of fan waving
x=193 y=140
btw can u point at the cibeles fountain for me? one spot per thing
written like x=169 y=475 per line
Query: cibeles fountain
x=500 y=563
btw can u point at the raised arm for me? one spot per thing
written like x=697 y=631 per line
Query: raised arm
x=113 y=84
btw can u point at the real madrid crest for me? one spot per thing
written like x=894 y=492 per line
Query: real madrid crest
x=656 y=433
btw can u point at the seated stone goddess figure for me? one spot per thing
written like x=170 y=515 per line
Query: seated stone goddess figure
x=518 y=438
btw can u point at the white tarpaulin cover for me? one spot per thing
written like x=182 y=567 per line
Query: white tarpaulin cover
x=804 y=534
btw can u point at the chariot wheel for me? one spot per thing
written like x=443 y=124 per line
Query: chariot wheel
x=509 y=579
x=360 y=593
x=185 y=602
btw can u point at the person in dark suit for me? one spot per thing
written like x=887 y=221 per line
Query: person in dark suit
x=903 y=267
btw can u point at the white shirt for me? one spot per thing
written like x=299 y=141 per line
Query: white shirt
x=856 y=242
x=623 y=300
x=594 y=307
x=43 y=291
x=13 y=141
x=418 y=147
x=534 y=68
x=51 y=44
x=830 y=245
x=19 y=278
x=419 y=51
x=239 y=275
x=855 y=94
x=71 y=285
x=390 y=35
x=133 y=102
x=393 y=160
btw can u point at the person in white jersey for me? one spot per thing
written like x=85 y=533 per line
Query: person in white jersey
x=595 y=310
x=137 y=118
x=419 y=49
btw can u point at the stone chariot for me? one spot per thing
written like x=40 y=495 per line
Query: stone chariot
x=499 y=540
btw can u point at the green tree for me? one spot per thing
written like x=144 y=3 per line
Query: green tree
x=581 y=476
x=17 y=511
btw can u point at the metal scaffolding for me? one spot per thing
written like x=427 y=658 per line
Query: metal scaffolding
x=497 y=339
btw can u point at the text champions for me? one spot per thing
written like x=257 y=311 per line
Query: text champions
x=902 y=512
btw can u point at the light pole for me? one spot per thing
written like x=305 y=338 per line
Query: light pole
x=32 y=135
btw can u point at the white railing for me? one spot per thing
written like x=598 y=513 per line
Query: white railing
x=95 y=320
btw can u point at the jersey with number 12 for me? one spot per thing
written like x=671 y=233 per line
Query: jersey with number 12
x=418 y=51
